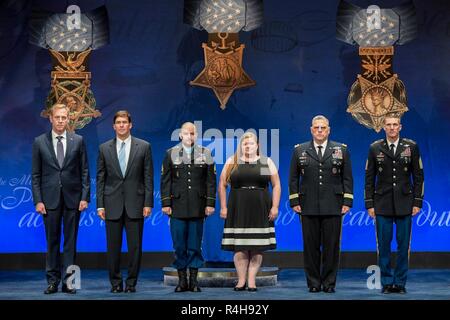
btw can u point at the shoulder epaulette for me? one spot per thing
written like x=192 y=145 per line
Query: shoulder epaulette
x=409 y=141
x=378 y=141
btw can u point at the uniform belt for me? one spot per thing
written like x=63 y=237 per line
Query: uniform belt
x=250 y=187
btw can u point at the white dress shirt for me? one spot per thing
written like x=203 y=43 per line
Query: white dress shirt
x=395 y=144
x=63 y=140
x=127 y=148
x=324 y=145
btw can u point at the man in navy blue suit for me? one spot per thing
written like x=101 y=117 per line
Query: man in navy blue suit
x=61 y=190
x=124 y=198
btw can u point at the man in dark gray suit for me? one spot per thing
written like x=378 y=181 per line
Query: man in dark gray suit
x=124 y=197
x=61 y=190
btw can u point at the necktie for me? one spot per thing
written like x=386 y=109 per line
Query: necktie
x=60 y=151
x=392 y=149
x=320 y=152
x=122 y=163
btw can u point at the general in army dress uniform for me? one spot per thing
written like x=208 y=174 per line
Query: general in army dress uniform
x=188 y=194
x=393 y=194
x=321 y=190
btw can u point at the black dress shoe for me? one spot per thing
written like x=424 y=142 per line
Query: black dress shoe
x=52 y=288
x=387 y=289
x=66 y=289
x=130 y=289
x=252 y=289
x=239 y=288
x=329 y=290
x=116 y=289
x=314 y=289
x=400 y=289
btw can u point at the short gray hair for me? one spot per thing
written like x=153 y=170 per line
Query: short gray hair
x=320 y=117
x=188 y=124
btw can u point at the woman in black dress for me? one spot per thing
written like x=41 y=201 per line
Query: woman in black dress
x=250 y=212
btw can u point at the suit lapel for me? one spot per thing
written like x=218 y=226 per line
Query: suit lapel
x=312 y=151
x=328 y=151
x=113 y=154
x=400 y=148
x=385 y=149
x=133 y=151
x=51 y=149
x=69 y=147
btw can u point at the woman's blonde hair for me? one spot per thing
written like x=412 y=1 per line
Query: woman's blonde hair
x=237 y=155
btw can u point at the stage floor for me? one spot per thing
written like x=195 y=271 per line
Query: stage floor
x=423 y=284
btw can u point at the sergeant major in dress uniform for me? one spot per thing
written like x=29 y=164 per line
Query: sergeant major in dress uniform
x=393 y=193
x=321 y=190
x=188 y=194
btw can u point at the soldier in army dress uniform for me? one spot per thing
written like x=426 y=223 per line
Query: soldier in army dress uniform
x=321 y=191
x=393 y=194
x=188 y=194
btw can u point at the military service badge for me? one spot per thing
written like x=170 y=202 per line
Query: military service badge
x=378 y=91
x=223 y=19
x=70 y=38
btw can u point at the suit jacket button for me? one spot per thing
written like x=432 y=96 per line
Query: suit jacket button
x=394 y=184
x=320 y=183
x=189 y=187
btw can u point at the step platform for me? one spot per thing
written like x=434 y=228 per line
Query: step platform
x=222 y=277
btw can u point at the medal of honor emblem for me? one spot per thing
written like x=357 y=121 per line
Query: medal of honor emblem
x=223 y=72
x=70 y=45
x=223 y=20
x=377 y=91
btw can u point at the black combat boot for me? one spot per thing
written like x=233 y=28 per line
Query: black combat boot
x=193 y=283
x=182 y=281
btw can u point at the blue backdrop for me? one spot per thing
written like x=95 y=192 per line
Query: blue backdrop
x=300 y=69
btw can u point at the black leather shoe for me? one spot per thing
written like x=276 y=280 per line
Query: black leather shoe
x=252 y=289
x=314 y=289
x=387 y=289
x=239 y=288
x=116 y=289
x=329 y=290
x=52 y=288
x=400 y=289
x=66 y=289
x=130 y=289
